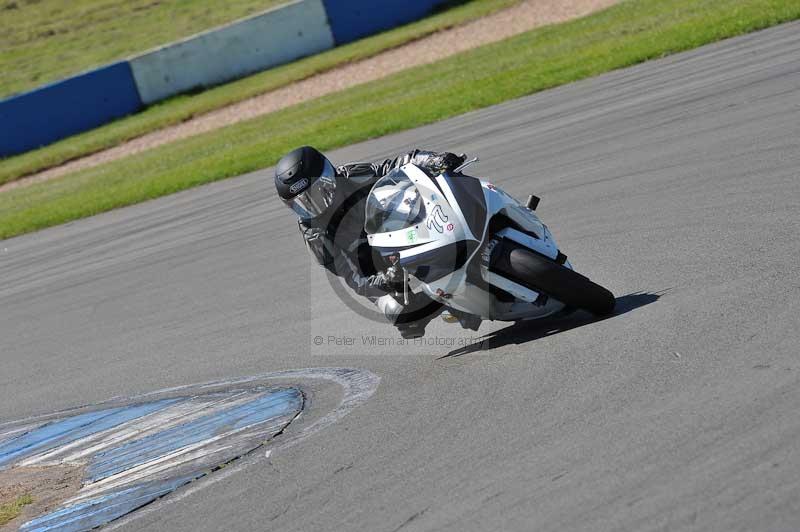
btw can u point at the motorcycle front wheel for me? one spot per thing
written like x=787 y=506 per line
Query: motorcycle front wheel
x=559 y=282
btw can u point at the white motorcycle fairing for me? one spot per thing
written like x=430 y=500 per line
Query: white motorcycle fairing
x=442 y=232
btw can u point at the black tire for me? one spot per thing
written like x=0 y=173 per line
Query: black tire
x=559 y=282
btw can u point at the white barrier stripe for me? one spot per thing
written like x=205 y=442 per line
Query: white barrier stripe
x=250 y=45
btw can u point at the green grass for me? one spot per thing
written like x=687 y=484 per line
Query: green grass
x=12 y=509
x=46 y=40
x=182 y=108
x=629 y=33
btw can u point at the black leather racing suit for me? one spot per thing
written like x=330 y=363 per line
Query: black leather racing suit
x=340 y=244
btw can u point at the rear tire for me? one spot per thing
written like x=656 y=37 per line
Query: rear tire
x=559 y=282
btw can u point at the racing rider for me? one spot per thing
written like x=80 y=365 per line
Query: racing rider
x=329 y=202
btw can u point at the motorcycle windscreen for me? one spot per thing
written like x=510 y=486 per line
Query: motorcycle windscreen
x=394 y=203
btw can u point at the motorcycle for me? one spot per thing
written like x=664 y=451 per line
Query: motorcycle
x=469 y=245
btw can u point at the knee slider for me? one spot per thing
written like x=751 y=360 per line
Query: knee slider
x=390 y=307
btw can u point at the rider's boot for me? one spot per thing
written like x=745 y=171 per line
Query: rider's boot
x=467 y=321
x=449 y=317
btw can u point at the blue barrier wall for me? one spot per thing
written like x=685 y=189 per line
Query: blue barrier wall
x=351 y=20
x=279 y=35
x=80 y=103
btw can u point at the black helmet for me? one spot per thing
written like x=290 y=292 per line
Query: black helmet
x=306 y=182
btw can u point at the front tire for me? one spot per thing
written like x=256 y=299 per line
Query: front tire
x=559 y=282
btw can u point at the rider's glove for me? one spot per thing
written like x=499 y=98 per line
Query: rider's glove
x=387 y=281
x=446 y=162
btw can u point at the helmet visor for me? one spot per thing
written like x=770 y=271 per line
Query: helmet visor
x=316 y=199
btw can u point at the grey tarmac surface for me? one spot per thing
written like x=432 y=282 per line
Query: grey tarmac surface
x=675 y=183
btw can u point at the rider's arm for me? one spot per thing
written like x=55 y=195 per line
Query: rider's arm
x=318 y=244
x=433 y=162
x=374 y=287
x=369 y=286
x=339 y=263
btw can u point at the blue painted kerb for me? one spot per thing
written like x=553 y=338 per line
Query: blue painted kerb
x=52 y=112
x=351 y=20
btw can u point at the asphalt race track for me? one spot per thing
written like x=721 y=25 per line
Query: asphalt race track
x=675 y=183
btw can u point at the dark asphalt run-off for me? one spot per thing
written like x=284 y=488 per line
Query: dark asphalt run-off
x=675 y=183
